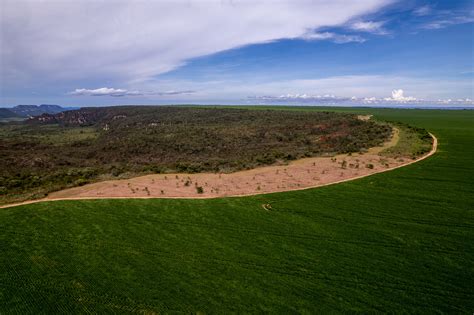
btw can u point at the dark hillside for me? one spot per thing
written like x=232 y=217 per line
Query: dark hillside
x=7 y=113
x=35 y=110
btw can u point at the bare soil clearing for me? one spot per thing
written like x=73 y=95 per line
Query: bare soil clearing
x=297 y=175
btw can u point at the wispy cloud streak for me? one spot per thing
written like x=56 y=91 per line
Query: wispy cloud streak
x=123 y=92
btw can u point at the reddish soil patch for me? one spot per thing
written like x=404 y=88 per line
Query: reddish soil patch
x=299 y=174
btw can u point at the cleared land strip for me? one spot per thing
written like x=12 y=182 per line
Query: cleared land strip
x=301 y=174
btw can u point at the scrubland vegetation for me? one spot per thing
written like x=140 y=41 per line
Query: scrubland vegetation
x=413 y=141
x=72 y=148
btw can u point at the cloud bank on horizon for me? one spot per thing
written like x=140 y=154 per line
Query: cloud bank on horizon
x=185 y=51
x=397 y=97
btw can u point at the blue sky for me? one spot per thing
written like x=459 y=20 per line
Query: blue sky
x=248 y=52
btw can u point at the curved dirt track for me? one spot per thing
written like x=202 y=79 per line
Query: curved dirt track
x=298 y=175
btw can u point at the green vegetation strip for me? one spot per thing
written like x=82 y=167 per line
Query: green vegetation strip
x=401 y=241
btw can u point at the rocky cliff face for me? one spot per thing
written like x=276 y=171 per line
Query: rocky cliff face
x=80 y=117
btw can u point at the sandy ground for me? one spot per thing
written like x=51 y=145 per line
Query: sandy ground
x=364 y=117
x=304 y=173
x=300 y=174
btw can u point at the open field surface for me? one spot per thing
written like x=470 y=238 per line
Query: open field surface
x=401 y=240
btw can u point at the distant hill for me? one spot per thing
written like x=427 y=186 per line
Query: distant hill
x=8 y=113
x=27 y=111
x=35 y=110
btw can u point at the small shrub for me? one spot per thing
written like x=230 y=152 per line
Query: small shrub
x=344 y=164
x=199 y=190
x=81 y=182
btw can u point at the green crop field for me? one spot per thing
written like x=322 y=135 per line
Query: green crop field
x=401 y=241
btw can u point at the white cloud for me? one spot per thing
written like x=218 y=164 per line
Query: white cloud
x=446 y=19
x=100 y=92
x=122 y=92
x=327 y=98
x=423 y=10
x=398 y=96
x=336 y=38
x=358 y=86
x=122 y=41
x=369 y=27
x=172 y=92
